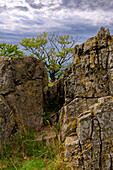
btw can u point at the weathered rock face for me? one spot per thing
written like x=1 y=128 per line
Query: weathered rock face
x=87 y=117
x=90 y=144
x=22 y=81
x=92 y=71
x=54 y=95
x=87 y=94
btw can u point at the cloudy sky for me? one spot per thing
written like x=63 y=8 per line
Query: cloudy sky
x=27 y=18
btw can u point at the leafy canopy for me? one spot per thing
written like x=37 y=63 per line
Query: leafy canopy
x=53 y=49
x=9 y=50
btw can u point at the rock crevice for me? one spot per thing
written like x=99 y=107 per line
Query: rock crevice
x=85 y=94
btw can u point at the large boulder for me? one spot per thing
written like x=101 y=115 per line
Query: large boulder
x=22 y=80
x=91 y=73
x=87 y=116
x=90 y=146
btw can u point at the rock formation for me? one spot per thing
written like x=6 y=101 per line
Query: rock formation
x=85 y=92
x=54 y=95
x=87 y=115
x=22 y=80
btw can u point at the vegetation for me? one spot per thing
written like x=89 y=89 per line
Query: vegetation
x=26 y=153
x=50 y=84
x=54 y=50
x=46 y=118
x=9 y=50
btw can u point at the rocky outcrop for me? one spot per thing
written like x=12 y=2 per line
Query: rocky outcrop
x=85 y=92
x=87 y=116
x=54 y=95
x=22 y=80
x=89 y=145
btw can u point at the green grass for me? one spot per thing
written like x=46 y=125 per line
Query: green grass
x=34 y=164
x=26 y=153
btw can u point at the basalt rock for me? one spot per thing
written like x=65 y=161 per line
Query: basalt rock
x=87 y=116
x=22 y=80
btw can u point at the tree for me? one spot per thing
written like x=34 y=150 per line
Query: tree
x=9 y=50
x=54 y=50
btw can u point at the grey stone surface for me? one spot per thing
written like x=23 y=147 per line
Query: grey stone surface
x=87 y=116
x=22 y=80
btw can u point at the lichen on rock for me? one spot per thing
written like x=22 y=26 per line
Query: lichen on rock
x=87 y=116
x=22 y=80
x=85 y=92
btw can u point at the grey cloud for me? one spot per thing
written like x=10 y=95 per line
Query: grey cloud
x=71 y=3
x=70 y=25
x=29 y=1
x=14 y=37
x=9 y=37
x=40 y=5
x=78 y=28
x=3 y=8
x=35 y=6
x=85 y=4
x=1 y=22
x=32 y=4
x=32 y=22
x=82 y=30
x=23 y=8
x=56 y=8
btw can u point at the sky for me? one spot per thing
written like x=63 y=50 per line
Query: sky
x=79 y=18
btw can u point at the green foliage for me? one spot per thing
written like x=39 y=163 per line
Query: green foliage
x=54 y=50
x=36 y=45
x=9 y=50
x=46 y=118
x=33 y=164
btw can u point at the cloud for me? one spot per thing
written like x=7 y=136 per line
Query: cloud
x=34 y=5
x=3 y=8
x=40 y=4
x=88 y=5
x=31 y=22
x=27 y=18
x=23 y=8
